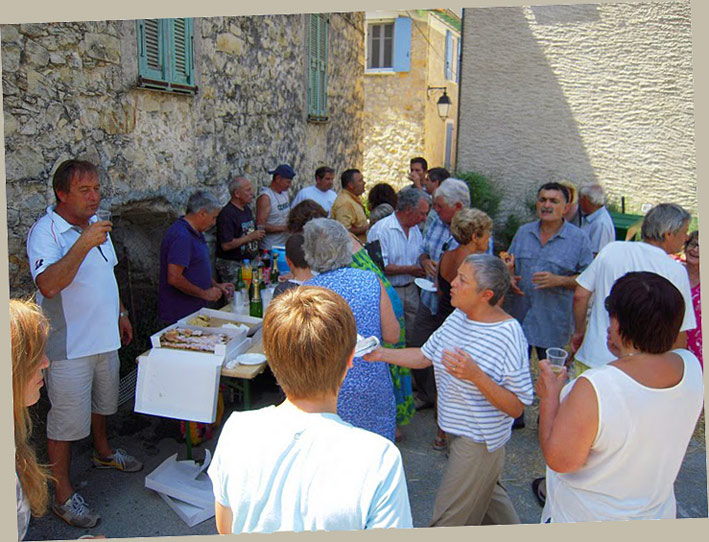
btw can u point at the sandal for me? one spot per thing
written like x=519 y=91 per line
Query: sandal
x=539 y=487
x=440 y=442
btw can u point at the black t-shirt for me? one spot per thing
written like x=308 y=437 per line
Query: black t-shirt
x=233 y=223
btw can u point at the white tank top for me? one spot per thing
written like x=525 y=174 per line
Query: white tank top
x=280 y=206
x=643 y=434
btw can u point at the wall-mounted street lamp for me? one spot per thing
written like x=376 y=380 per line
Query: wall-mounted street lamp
x=444 y=102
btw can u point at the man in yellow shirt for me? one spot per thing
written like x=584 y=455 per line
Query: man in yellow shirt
x=347 y=208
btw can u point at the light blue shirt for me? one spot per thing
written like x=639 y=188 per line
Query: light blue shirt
x=546 y=313
x=600 y=229
x=307 y=472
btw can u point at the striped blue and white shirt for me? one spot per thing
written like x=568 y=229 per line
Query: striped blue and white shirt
x=500 y=350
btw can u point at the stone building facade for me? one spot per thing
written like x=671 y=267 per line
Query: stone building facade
x=599 y=92
x=70 y=91
x=400 y=116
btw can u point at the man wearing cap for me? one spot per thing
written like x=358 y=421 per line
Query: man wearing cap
x=272 y=207
x=348 y=209
x=321 y=192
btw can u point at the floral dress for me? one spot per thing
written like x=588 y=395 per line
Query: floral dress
x=694 y=336
x=366 y=398
x=400 y=376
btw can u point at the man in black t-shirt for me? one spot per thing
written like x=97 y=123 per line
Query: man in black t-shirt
x=237 y=236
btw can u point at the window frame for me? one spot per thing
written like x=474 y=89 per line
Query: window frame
x=401 y=44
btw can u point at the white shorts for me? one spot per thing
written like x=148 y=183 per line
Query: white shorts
x=77 y=388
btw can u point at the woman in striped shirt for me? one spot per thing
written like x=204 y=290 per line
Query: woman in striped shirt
x=479 y=358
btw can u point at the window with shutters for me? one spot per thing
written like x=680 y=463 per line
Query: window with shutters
x=317 y=67
x=166 y=55
x=389 y=45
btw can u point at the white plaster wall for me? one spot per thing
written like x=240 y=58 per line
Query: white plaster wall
x=586 y=92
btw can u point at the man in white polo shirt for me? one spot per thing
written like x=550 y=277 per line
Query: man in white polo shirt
x=71 y=260
x=321 y=192
x=402 y=246
x=664 y=232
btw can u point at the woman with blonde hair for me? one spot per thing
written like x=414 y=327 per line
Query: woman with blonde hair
x=28 y=334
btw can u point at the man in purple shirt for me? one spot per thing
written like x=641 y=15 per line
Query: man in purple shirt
x=186 y=283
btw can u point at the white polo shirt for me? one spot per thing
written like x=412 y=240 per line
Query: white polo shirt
x=324 y=199
x=397 y=247
x=84 y=315
x=613 y=261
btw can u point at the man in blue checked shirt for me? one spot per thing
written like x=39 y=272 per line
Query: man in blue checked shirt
x=449 y=198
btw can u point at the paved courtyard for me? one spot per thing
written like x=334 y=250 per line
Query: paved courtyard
x=128 y=509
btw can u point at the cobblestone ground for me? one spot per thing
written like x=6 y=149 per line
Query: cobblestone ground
x=130 y=510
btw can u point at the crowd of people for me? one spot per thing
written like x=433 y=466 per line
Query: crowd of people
x=458 y=326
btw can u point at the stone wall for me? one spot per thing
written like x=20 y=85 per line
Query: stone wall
x=400 y=120
x=70 y=91
x=598 y=92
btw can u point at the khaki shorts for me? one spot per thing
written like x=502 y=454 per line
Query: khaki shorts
x=77 y=388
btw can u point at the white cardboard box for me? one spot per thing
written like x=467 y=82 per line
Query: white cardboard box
x=185 y=487
x=178 y=384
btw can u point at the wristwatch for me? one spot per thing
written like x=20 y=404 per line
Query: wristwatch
x=122 y=314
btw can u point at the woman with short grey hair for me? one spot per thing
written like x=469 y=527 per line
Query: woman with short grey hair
x=366 y=398
x=327 y=245
x=479 y=358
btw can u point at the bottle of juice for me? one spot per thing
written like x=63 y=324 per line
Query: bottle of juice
x=247 y=273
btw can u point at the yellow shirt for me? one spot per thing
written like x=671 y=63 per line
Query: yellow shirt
x=349 y=211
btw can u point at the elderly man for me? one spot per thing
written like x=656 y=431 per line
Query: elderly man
x=664 y=232
x=186 y=284
x=479 y=356
x=321 y=192
x=237 y=237
x=272 y=206
x=596 y=221
x=71 y=260
x=417 y=172
x=452 y=196
x=348 y=209
x=308 y=470
x=402 y=245
x=548 y=254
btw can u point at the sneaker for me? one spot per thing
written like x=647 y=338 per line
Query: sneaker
x=120 y=460
x=76 y=512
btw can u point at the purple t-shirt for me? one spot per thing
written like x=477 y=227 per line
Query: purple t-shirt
x=183 y=245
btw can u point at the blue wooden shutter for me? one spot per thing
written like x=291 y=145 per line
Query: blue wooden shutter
x=151 y=49
x=402 y=44
x=449 y=145
x=180 y=36
x=447 y=63
x=457 y=61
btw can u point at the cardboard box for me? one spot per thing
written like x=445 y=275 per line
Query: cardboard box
x=185 y=487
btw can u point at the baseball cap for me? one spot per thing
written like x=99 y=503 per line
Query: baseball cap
x=284 y=170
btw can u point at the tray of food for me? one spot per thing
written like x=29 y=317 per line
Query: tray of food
x=210 y=319
x=226 y=342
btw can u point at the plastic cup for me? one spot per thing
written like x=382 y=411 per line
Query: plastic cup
x=103 y=214
x=266 y=297
x=556 y=358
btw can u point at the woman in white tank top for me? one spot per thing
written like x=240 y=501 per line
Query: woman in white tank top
x=614 y=438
